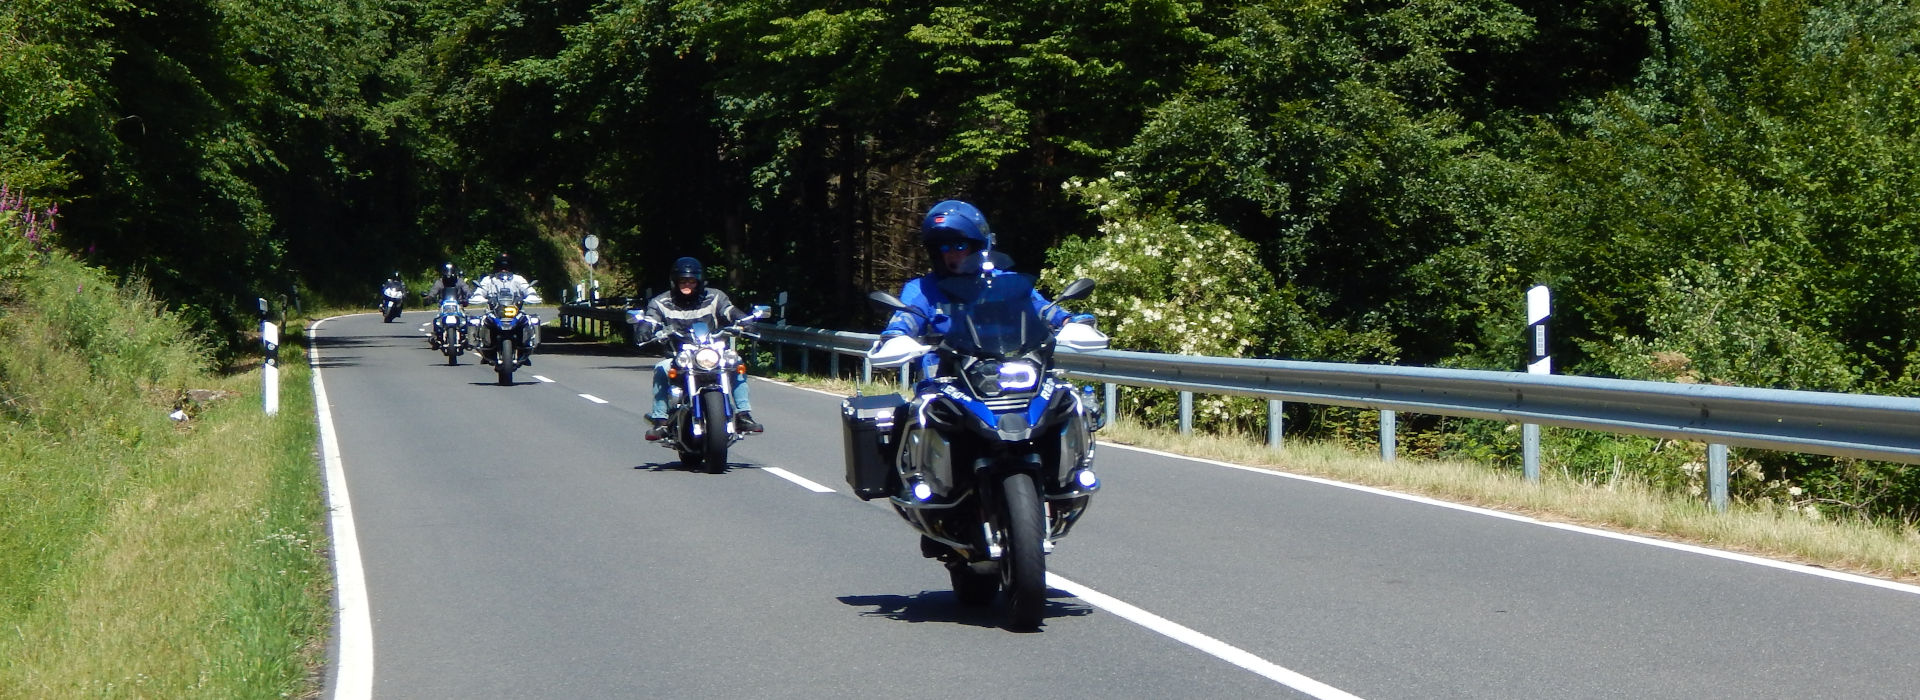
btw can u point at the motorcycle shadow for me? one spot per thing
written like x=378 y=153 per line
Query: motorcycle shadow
x=675 y=465
x=944 y=606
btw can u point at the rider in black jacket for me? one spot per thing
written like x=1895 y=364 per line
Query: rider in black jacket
x=687 y=300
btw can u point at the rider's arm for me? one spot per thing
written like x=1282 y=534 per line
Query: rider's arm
x=904 y=323
x=1057 y=316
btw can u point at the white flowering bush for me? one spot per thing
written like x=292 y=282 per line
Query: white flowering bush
x=1169 y=286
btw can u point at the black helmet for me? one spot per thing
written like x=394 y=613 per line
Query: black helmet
x=447 y=274
x=502 y=264
x=687 y=268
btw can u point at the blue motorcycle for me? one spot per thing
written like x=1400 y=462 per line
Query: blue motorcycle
x=992 y=459
x=450 y=330
x=507 y=334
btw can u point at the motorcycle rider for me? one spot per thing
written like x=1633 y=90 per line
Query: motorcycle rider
x=952 y=231
x=503 y=279
x=393 y=282
x=687 y=300
x=449 y=284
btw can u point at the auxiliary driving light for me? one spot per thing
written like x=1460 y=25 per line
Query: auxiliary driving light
x=1086 y=478
x=921 y=491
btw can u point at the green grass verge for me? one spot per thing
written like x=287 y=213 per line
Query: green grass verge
x=1624 y=505
x=140 y=556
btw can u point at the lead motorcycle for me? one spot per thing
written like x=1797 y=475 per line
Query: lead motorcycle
x=992 y=459
x=507 y=333
x=391 y=294
x=450 y=330
x=700 y=404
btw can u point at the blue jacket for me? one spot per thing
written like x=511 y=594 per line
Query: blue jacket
x=923 y=294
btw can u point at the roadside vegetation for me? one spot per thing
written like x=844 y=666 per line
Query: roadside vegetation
x=1627 y=503
x=159 y=535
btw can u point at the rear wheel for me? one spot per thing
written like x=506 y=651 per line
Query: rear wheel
x=504 y=361
x=1023 y=565
x=713 y=405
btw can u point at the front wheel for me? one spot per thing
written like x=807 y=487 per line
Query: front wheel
x=504 y=362
x=713 y=407
x=1023 y=566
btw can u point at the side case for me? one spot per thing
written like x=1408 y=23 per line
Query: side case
x=866 y=422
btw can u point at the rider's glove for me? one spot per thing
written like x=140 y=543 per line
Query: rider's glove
x=1079 y=318
x=890 y=335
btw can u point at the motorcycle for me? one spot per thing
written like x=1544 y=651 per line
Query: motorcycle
x=391 y=294
x=507 y=333
x=700 y=404
x=450 y=330
x=992 y=459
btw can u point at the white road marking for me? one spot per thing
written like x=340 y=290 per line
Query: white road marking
x=804 y=482
x=591 y=397
x=1188 y=636
x=543 y=379
x=355 y=680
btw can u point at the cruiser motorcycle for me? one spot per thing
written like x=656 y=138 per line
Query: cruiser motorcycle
x=992 y=459
x=700 y=404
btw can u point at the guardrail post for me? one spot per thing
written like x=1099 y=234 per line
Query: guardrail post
x=779 y=351
x=1273 y=423
x=833 y=363
x=806 y=360
x=906 y=377
x=1112 y=405
x=1530 y=451
x=1186 y=413
x=1386 y=436
x=866 y=370
x=1717 y=477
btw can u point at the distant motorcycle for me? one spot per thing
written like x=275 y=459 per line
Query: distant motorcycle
x=507 y=333
x=992 y=460
x=700 y=404
x=450 y=330
x=391 y=295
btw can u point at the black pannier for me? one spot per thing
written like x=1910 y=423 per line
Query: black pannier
x=866 y=422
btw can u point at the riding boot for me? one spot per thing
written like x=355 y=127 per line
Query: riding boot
x=659 y=429
x=745 y=423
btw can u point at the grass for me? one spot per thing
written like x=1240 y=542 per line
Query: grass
x=140 y=556
x=1625 y=505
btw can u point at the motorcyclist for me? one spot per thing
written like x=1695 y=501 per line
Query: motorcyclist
x=393 y=282
x=688 y=300
x=450 y=284
x=952 y=231
x=503 y=279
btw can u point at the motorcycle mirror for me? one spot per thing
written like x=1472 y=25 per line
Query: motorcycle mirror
x=883 y=300
x=762 y=311
x=1078 y=289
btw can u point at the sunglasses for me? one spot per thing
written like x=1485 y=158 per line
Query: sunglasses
x=964 y=247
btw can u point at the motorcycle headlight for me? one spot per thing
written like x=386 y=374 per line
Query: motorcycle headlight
x=705 y=359
x=509 y=311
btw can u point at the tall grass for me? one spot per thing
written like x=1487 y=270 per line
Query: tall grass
x=142 y=556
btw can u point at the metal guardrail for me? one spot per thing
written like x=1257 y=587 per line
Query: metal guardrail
x=1844 y=425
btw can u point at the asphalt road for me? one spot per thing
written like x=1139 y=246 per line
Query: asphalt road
x=524 y=541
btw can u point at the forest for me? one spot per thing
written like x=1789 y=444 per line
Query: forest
x=1716 y=191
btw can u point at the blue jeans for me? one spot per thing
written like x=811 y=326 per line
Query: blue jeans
x=663 y=389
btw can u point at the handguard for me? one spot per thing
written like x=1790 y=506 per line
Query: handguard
x=897 y=351
x=1080 y=337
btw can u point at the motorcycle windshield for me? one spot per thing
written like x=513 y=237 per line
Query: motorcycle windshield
x=994 y=316
x=698 y=333
x=504 y=297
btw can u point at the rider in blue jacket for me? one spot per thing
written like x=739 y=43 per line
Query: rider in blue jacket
x=952 y=231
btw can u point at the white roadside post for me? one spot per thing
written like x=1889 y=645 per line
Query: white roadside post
x=270 y=371
x=1539 y=309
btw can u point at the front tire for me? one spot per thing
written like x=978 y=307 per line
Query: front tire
x=1023 y=566
x=504 y=361
x=713 y=406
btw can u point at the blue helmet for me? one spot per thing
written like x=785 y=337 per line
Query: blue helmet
x=954 y=220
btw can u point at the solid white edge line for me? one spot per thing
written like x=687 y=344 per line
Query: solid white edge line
x=355 y=679
x=1677 y=546
x=591 y=397
x=1190 y=637
x=804 y=482
x=543 y=379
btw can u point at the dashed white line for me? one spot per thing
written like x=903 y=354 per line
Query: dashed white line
x=543 y=379
x=591 y=397
x=804 y=482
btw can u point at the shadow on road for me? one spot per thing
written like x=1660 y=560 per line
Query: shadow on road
x=942 y=606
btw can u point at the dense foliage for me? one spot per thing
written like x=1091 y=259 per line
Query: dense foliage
x=1717 y=190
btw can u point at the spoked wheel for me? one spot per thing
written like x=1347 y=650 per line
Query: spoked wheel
x=1023 y=565
x=504 y=361
x=713 y=405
